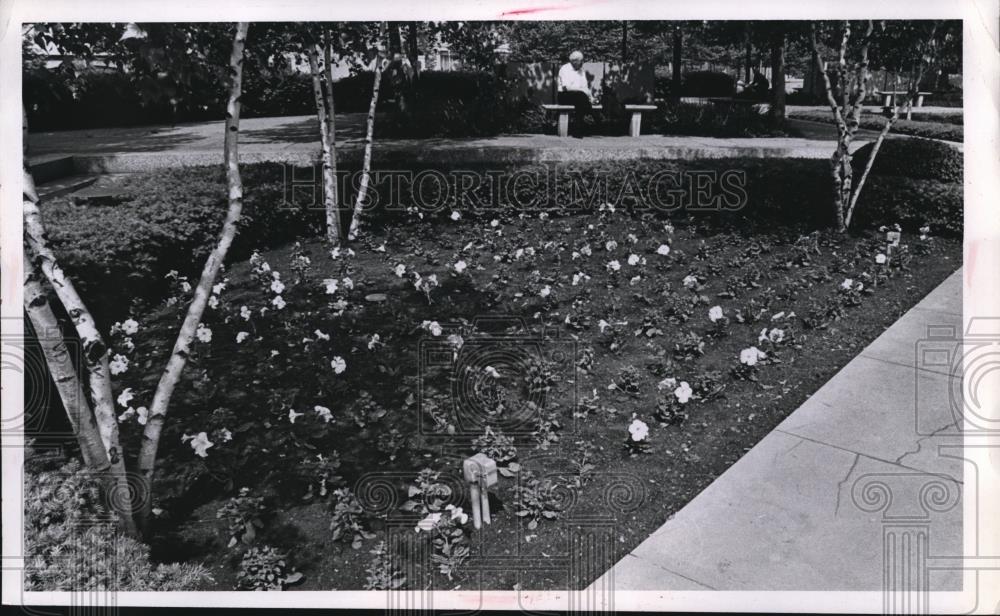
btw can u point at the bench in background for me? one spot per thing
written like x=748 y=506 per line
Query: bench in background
x=635 y=122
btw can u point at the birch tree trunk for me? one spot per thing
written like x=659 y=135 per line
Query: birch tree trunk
x=326 y=154
x=355 y=227
x=840 y=162
x=331 y=124
x=67 y=382
x=119 y=492
x=178 y=357
x=925 y=62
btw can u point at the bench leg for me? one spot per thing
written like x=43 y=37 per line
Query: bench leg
x=635 y=126
x=563 y=123
x=888 y=100
x=920 y=100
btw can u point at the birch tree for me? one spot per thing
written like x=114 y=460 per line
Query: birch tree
x=95 y=421
x=178 y=356
x=853 y=87
x=355 y=227
x=320 y=54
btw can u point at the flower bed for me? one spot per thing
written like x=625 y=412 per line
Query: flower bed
x=611 y=363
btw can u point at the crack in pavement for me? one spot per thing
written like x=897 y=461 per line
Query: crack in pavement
x=840 y=484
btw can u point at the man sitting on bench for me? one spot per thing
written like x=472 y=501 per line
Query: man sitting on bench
x=573 y=88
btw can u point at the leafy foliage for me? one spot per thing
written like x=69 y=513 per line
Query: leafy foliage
x=243 y=515
x=71 y=543
x=264 y=568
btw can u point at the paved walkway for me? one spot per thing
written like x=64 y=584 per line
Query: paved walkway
x=294 y=139
x=789 y=514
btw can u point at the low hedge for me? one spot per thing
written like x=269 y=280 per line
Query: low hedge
x=922 y=159
x=946 y=131
x=170 y=221
x=912 y=203
x=673 y=118
x=120 y=254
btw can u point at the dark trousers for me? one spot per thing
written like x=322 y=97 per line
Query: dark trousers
x=581 y=101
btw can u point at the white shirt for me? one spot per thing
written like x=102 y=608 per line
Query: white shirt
x=572 y=79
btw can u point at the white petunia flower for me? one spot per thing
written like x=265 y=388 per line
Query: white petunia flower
x=457 y=514
x=683 y=392
x=241 y=336
x=118 y=364
x=245 y=313
x=690 y=281
x=751 y=356
x=200 y=444
x=714 y=313
x=663 y=250
x=433 y=327
x=667 y=383
x=331 y=285
x=277 y=286
x=130 y=326
x=204 y=333
x=324 y=413
x=278 y=302
x=338 y=364
x=142 y=415
x=614 y=265
x=125 y=396
x=456 y=216
x=880 y=258
x=460 y=266
x=633 y=259
x=545 y=291
x=639 y=430
x=428 y=523
x=847 y=284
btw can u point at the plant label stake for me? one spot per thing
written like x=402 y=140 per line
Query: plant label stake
x=481 y=473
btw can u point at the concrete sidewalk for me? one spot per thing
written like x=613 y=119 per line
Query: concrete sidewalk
x=295 y=140
x=815 y=503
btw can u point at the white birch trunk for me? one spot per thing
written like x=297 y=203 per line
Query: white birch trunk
x=355 y=227
x=178 y=357
x=326 y=154
x=119 y=491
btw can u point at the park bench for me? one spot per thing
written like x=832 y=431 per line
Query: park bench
x=891 y=95
x=635 y=121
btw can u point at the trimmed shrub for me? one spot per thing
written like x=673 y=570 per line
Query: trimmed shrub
x=923 y=159
x=912 y=203
x=707 y=83
x=171 y=220
x=712 y=121
x=71 y=544
x=463 y=104
x=947 y=130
